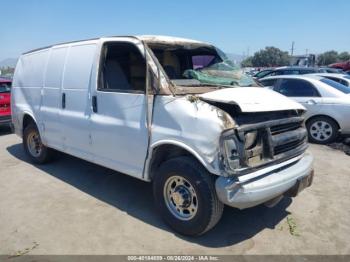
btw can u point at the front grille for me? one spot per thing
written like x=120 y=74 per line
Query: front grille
x=287 y=147
x=285 y=128
x=276 y=140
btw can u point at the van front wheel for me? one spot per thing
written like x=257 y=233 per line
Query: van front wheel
x=185 y=196
x=33 y=146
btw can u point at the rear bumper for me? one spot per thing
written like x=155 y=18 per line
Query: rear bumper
x=4 y=120
x=288 y=180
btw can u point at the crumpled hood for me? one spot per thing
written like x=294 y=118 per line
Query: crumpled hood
x=252 y=99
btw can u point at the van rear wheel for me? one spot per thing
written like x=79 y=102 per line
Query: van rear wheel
x=185 y=196
x=33 y=146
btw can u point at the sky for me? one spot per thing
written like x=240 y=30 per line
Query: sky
x=235 y=26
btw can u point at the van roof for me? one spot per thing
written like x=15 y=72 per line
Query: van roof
x=154 y=39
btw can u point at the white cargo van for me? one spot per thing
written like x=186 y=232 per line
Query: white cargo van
x=166 y=110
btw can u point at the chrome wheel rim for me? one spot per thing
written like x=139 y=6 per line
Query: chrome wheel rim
x=180 y=198
x=321 y=130
x=34 y=144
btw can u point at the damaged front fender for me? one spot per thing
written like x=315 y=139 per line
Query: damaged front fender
x=192 y=124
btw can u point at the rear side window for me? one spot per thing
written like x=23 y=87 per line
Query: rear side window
x=338 y=80
x=122 y=69
x=336 y=85
x=5 y=87
x=78 y=66
x=296 y=88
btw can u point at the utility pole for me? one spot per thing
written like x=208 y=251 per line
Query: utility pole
x=306 y=51
x=292 y=50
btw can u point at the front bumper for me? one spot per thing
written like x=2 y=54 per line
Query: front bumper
x=251 y=190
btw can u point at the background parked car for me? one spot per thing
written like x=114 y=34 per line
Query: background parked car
x=328 y=105
x=290 y=70
x=331 y=70
x=5 y=107
x=342 y=65
x=262 y=73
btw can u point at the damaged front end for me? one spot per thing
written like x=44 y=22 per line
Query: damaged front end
x=264 y=156
x=256 y=145
x=264 y=160
x=269 y=128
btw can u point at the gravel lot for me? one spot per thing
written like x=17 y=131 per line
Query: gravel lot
x=74 y=207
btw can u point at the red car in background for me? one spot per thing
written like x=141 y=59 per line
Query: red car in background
x=345 y=66
x=5 y=98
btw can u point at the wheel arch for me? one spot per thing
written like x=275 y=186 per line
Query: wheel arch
x=165 y=150
x=26 y=120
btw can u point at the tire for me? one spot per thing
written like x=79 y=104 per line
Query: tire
x=184 y=176
x=39 y=154
x=322 y=130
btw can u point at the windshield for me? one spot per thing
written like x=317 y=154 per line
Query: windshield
x=199 y=65
x=336 y=85
x=5 y=87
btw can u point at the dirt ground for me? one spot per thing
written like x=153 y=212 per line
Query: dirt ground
x=74 y=207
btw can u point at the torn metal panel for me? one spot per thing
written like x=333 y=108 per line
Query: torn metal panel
x=171 y=41
x=192 y=124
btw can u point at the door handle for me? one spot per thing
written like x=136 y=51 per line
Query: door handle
x=94 y=104
x=311 y=102
x=63 y=100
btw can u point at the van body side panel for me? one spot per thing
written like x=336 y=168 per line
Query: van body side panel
x=52 y=97
x=27 y=88
x=75 y=114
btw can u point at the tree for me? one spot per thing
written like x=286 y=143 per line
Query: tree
x=270 y=56
x=344 y=56
x=327 y=58
x=247 y=62
x=6 y=71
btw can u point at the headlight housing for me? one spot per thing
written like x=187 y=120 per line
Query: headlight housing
x=242 y=150
x=250 y=139
x=231 y=153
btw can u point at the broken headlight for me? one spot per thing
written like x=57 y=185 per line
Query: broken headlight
x=250 y=139
x=231 y=152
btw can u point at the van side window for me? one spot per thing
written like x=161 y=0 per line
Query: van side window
x=123 y=69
